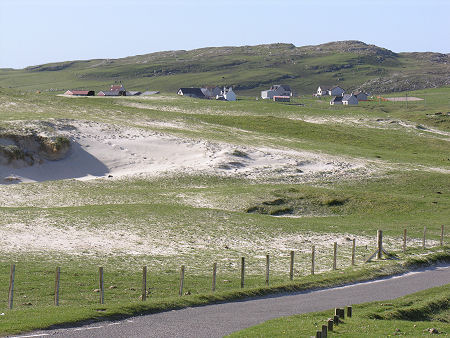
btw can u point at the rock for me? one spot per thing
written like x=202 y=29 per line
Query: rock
x=96 y=290
x=113 y=287
x=433 y=330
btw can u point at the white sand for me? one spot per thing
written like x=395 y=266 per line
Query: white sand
x=102 y=150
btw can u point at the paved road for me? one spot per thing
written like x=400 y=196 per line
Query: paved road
x=220 y=319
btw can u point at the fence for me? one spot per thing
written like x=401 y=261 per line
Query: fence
x=290 y=270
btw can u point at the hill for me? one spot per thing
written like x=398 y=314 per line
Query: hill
x=351 y=64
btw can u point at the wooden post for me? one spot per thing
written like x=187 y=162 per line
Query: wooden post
x=181 y=280
x=214 y=277
x=380 y=243
x=101 y=285
x=335 y=256
x=319 y=334
x=242 y=271
x=442 y=235
x=12 y=275
x=335 y=320
x=424 y=236
x=324 y=331
x=330 y=324
x=404 y=240
x=353 y=251
x=144 y=283
x=57 y=278
x=341 y=313
x=291 y=267
x=313 y=254
x=349 y=311
x=267 y=269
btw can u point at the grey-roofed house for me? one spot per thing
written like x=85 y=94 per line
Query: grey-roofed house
x=361 y=96
x=336 y=91
x=133 y=93
x=349 y=99
x=276 y=90
x=110 y=93
x=336 y=100
x=211 y=92
x=191 y=92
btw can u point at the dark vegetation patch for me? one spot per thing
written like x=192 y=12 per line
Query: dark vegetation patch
x=297 y=202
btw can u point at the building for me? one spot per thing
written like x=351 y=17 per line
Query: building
x=336 y=100
x=336 y=91
x=80 y=92
x=322 y=90
x=276 y=90
x=132 y=93
x=227 y=94
x=192 y=92
x=211 y=92
x=349 y=99
x=361 y=96
x=111 y=93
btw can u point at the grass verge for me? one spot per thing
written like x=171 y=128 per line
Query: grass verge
x=33 y=318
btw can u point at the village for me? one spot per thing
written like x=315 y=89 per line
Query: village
x=277 y=93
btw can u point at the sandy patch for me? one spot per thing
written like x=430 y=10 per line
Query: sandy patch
x=105 y=150
x=403 y=98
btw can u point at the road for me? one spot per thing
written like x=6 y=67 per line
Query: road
x=218 y=320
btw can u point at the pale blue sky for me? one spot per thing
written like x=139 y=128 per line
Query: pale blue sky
x=40 y=31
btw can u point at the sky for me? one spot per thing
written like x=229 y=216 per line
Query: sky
x=34 y=32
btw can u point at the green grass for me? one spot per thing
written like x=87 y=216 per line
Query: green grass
x=202 y=219
x=34 y=309
x=411 y=316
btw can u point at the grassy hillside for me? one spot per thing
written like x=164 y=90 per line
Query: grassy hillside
x=350 y=64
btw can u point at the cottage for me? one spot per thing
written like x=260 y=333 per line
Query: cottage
x=211 y=92
x=336 y=100
x=276 y=90
x=120 y=88
x=80 y=92
x=361 y=96
x=336 y=91
x=349 y=99
x=192 y=92
x=227 y=94
x=322 y=90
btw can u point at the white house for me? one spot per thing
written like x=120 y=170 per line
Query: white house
x=276 y=90
x=336 y=91
x=227 y=94
x=349 y=99
x=323 y=90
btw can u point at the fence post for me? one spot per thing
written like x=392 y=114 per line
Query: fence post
x=380 y=244
x=353 y=251
x=57 y=278
x=267 y=269
x=181 y=280
x=214 y=277
x=12 y=275
x=291 y=267
x=313 y=254
x=404 y=240
x=242 y=271
x=349 y=311
x=335 y=256
x=330 y=324
x=324 y=331
x=424 y=236
x=442 y=235
x=101 y=285
x=144 y=283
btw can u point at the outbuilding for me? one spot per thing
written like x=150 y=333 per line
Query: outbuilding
x=192 y=92
x=349 y=99
x=336 y=100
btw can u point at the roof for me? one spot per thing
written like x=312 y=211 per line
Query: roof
x=285 y=87
x=337 y=99
x=109 y=93
x=324 y=87
x=148 y=92
x=133 y=93
x=192 y=91
x=346 y=97
x=336 y=87
x=117 y=87
x=79 y=92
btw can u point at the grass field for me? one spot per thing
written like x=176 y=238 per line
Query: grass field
x=389 y=170
x=412 y=316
